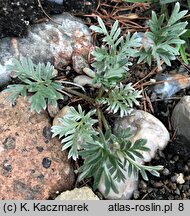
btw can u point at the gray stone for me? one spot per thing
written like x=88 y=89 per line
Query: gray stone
x=181 y=117
x=65 y=41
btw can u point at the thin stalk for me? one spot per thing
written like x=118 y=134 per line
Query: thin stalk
x=83 y=96
x=99 y=114
x=105 y=122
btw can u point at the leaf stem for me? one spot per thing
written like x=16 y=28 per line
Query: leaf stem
x=83 y=96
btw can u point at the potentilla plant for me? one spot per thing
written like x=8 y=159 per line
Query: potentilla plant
x=87 y=132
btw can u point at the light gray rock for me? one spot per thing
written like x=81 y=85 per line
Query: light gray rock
x=65 y=41
x=84 y=193
x=181 y=117
x=143 y=126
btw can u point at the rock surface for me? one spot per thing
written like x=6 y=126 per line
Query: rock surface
x=181 y=117
x=143 y=126
x=32 y=165
x=170 y=84
x=84 y=193
x=65 y=41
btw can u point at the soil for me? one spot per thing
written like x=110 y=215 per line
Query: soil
x=16 y=16
x=15 y=20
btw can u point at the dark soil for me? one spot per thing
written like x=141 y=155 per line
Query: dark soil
x=16 y=17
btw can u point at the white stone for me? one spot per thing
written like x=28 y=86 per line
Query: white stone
x=84 y=80
x=180 y=178
x=143 y=126
x=125 y=189
x=84 y=193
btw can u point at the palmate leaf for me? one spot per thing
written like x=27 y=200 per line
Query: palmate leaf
x=36 y=79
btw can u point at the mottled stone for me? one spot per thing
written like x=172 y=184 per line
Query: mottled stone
x=32 y=165
x=84 y=193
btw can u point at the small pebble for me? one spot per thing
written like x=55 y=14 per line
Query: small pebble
x=177 y=191
x=136 y=194
x=166 y=171
x=180 y=178
x=173 y=186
